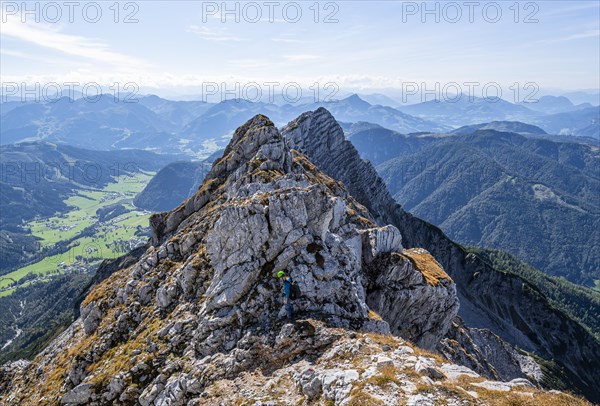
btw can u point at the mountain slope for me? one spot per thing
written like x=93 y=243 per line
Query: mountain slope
x=582 y=304
x=36 y=179
x=380 y=144
x=503 y=126
x=474 y=110
x=534 y=198
x=36 y=314
x=513 y=309
x=171 y=185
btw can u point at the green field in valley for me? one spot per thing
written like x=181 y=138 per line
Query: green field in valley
x=107 y=239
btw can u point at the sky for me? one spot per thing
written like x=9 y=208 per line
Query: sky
x=185 y=47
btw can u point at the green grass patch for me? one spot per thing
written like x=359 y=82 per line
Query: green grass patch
x=110 y=239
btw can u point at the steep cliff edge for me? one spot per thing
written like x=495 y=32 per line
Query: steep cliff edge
x=503 y=303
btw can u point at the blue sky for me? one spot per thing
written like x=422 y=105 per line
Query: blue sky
x=373 y=47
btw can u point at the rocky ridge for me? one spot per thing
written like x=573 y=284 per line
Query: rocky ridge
x=519 y=316
x=198 y=317
x=202 y=304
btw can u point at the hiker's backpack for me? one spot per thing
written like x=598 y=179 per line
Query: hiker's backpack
x=295 y=291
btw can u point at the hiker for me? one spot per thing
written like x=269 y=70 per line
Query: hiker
x=287 y=293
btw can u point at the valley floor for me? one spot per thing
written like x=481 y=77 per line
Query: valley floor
x=88 y=239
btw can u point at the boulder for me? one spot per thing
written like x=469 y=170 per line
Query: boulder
x=79 y=395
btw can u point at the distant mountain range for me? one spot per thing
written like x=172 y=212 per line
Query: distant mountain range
x=503 y=126
x=555 y=115
x=532 y=197
x=381 y=99
x=548 y=103
x=578 y=97
x=583 y=122
x=192 y=127
x=179 y=113
x=465 y=111
x=378 y=144
x=197 y=128
x=554 y=104
x=100 y=125
x=353 y=109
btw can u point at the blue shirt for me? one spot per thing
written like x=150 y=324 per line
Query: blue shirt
x=287 y=287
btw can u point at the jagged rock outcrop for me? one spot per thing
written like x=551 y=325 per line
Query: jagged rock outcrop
x=401 y=296
x=486 y=353
x=503 y=303
x=202 y=303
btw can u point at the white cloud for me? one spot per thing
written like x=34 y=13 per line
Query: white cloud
x=50 y=37
x=45 y=59
x=212 y=34
x=250 y=63
x=300 y=57
x=567 y=38
x=290 y=40
x=17 y=54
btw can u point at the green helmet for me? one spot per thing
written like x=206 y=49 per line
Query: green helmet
x=280 y=274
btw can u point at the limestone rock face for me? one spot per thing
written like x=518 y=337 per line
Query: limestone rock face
x=400 y=295
x=487 y=354
x=203 y=303
x=490 y=300
x=380 y=241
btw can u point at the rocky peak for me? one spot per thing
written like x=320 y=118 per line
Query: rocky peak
x=355 y=101
x=257 y=140
x=318 y=135
x=321 y=121
x=203 y=303
x=256 y=151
